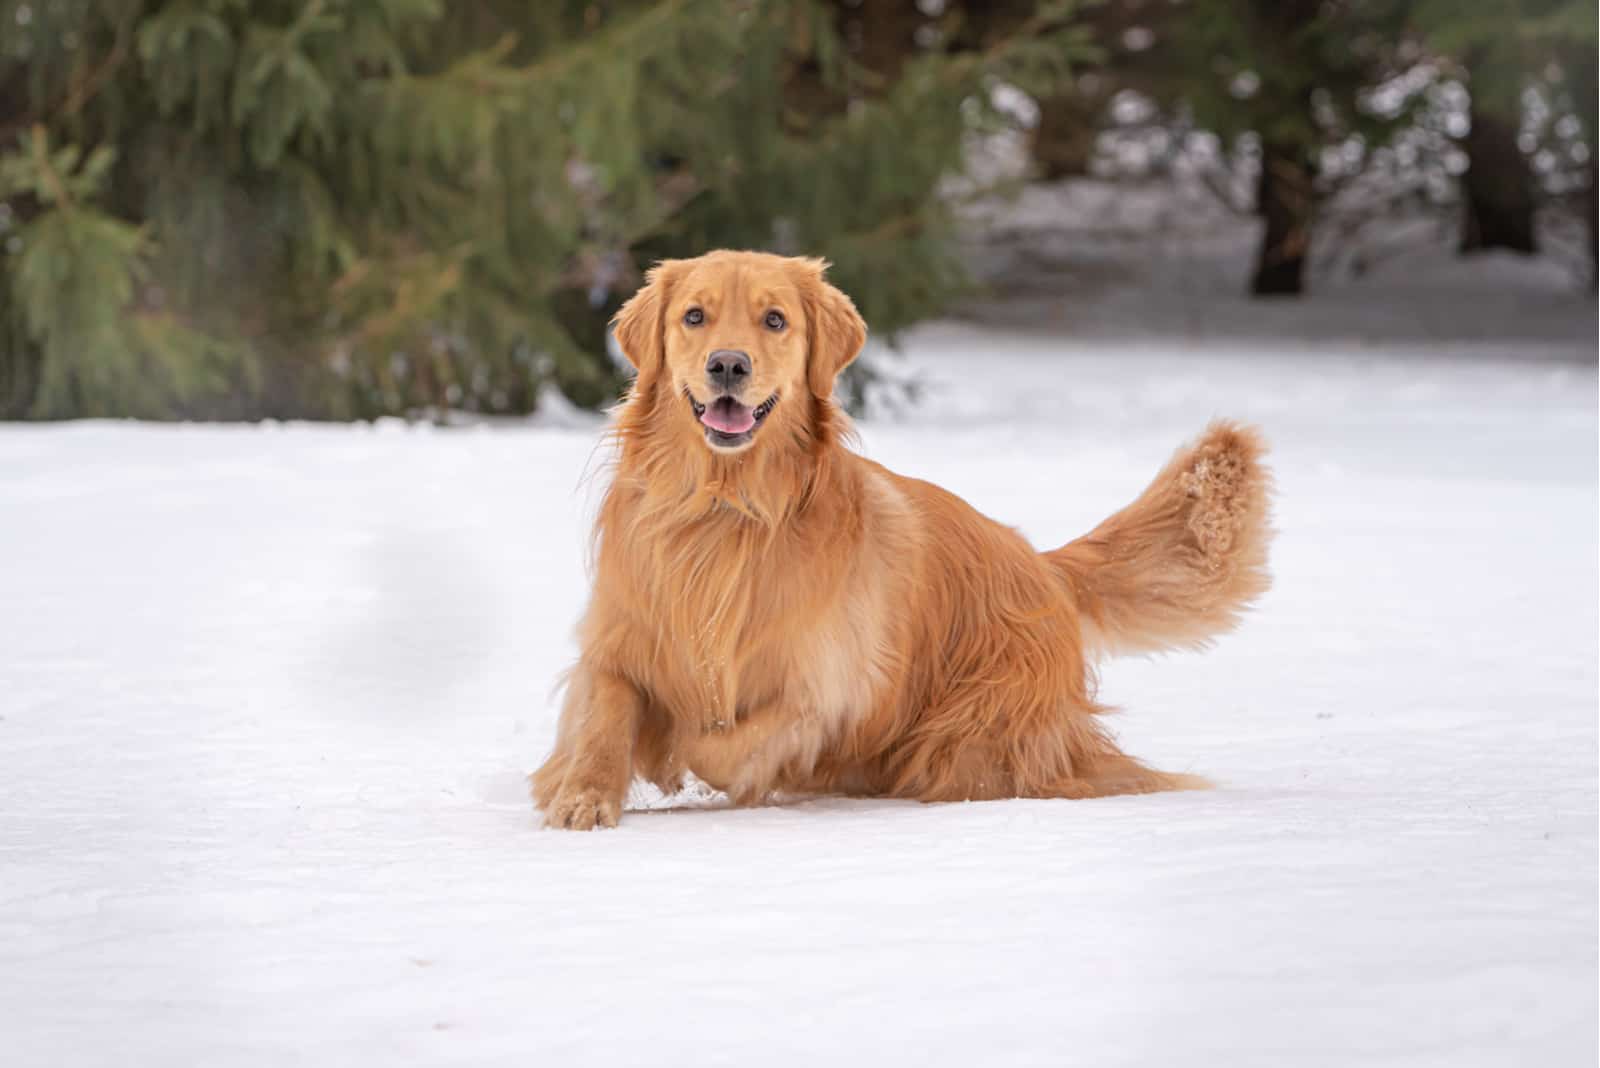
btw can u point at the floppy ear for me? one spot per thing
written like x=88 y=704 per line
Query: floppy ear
x=837 y=330
x=638 y=323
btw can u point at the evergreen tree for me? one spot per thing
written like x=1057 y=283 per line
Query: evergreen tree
x=1136 y=42
x=1294 y=74
x=1507 y=48
x=341 y=208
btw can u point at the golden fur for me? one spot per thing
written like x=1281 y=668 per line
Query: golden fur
x=792 y=618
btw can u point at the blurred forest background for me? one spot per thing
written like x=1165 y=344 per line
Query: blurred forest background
x=350 y=208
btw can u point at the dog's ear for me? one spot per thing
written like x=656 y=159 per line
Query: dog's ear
x=638 y=323
x=836 y=328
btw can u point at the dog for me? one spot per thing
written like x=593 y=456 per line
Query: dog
x=778 y=615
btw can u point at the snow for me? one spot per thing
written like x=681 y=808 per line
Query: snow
x=1116 y=261
x=268 y=696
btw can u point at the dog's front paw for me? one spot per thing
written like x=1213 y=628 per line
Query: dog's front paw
x=582 y=810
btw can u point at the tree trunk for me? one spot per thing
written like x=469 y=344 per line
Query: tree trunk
x=1591 y=216
x=1497 y=188
x=880 y=37
x=1583 y=72
x=884 y=37
x=1063 y=142
x=1286 y=201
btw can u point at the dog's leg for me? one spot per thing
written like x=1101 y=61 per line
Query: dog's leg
x=1109 y=775
x=583 y=784
x=723 y=759
x=746 y=761
x=983 y=746
x=771 y=742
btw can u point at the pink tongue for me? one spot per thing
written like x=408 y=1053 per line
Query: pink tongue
x=728 y=415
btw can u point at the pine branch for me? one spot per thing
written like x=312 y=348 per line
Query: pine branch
x=85 y=90
x=47 y=170
x=557 y=64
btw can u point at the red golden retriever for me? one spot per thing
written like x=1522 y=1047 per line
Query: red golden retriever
x=778 y=615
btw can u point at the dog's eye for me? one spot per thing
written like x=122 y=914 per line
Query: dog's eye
x=775 y=320
x=694 y=317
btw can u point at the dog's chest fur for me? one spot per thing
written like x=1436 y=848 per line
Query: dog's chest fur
x=790 y=625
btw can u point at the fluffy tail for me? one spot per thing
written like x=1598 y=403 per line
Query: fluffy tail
x=1177 y=566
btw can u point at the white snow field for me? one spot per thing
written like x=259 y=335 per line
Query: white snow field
x=268 y=696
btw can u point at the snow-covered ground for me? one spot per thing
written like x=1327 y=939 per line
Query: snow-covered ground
x=268 y=696
x=1115 y=262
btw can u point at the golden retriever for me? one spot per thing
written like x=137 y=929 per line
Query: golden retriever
x=778 y=615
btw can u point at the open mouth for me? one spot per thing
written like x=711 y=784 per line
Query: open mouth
x=729 y=424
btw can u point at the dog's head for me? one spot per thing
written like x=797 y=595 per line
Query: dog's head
x=739 y=345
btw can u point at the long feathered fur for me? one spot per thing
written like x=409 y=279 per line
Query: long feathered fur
x=797 y=619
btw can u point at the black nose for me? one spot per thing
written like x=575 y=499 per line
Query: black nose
x=728 y=370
